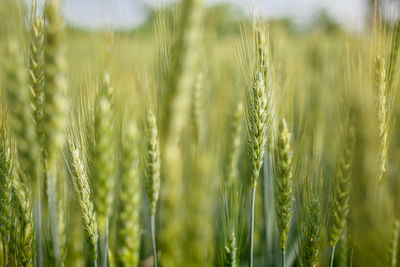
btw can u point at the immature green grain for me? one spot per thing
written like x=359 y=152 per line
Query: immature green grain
x=19 y=110
x=129 y=200
x=54 y=112
x=265 y=68
x=380 y=85
x=26 y=238
x=13 y=244
x=231 y=251
x=394 y=243
x=54 y=116
x=104 y=153
x=82 y=193
x=36 y=80
x=6 y=178
x=231 y=172
x=342 y=191
x=153 y=163
x=283 y=185
x=311 y=233
x=36 y=75
x=258 y=121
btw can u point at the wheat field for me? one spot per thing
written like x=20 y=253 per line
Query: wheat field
x=200 y=138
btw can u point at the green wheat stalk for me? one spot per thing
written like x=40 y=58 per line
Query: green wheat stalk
x=342 y=191
x=258 y=121
x=27 y=234
x=129 y=200
x=181 y=72
x=312 y=239
x=283 y=185
x=103 y=161
x=36 y=75
x=231 y=251
x=82 y=192
x=6 y=179
x=232 y=224
x=153 y=173
x=20 y=119
x=381 y=87
x=36 y=79
x=311 y=247
x=54 y=109
x=175 y=108
x=54 y=117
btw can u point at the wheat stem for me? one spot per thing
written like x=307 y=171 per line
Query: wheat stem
x=104 y=246
x=153 y=239
x=253 y=196
x=333 y=255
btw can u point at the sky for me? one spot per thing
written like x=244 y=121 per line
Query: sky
x=126 y=14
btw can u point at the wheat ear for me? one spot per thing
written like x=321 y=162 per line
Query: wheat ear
x=82 y=192
x=311 y=241
x=130 y=199
x=36 y=79
x=230 y=251
x=27 y=235
x=380 y=85
x=283 y=183
x=342 y=191
x=153 y=173
x=54 y=115
x=36 y=74
x=258 y=121
x=176 y=107
x=312 y=221
x=6 y=178
x=103 y=162
x=20 y=119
